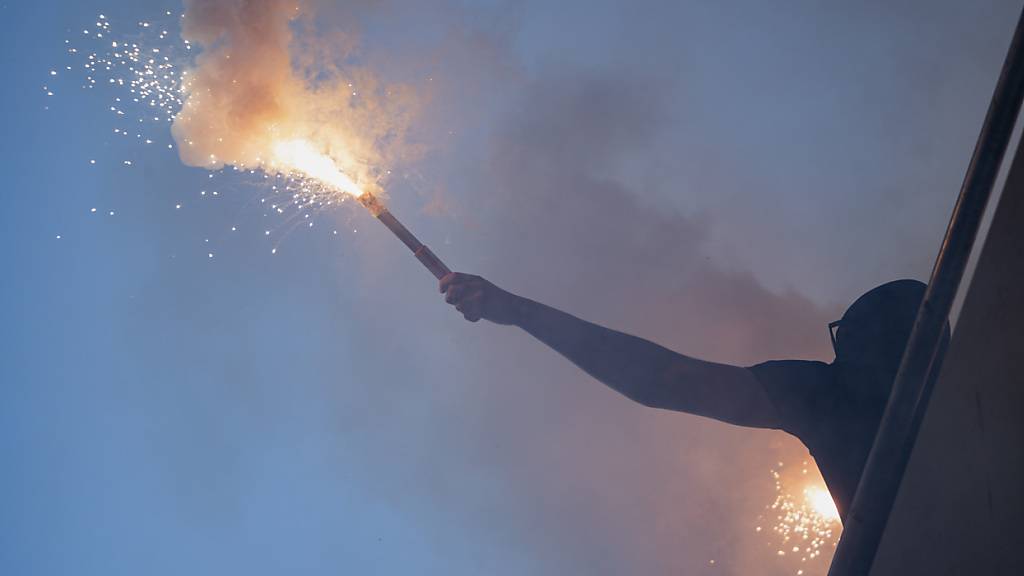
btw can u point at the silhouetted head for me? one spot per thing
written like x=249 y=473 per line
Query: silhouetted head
x=874 y=330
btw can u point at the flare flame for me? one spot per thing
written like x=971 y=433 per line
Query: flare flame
x=300 y=156
x=268 y=91
x=803 y=522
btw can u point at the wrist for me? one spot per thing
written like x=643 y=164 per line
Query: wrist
x=523 y=310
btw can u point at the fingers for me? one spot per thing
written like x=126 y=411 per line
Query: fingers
x=471 y=307
x=446 y=281
x=454 y=278
x=465 y=292
x=454 y=293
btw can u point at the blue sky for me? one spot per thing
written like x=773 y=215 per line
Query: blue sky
x=723 y=179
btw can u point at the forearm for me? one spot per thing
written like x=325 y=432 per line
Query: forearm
x=641 y=370
x=637 y=368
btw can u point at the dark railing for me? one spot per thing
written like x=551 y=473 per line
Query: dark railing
x=918 y=370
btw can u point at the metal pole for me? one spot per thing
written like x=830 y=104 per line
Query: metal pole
x=887 y=462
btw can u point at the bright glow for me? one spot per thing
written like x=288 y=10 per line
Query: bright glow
x=802 y=524
x=821 y=502
x=301 y=156
x=311 y=151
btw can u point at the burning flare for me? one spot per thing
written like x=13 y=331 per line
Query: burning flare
x=803 y=521
x=255 y=98
x=268 y=91
x=300 y=156
x=822 y=503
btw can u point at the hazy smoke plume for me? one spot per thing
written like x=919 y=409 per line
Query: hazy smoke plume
x=600 y=485
x=636 y=490
x=254 y=84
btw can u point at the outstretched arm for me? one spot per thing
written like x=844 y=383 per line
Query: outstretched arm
x=639 y=369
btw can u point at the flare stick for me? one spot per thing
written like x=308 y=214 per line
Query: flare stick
x=419 y=249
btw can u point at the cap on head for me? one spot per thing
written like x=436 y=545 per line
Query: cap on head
x=874 y=330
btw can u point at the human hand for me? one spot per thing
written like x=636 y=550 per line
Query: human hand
x=477 y=298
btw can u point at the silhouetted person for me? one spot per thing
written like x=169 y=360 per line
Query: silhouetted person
x=834 y=409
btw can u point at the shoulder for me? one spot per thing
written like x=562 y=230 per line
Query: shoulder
x=792 y=372
x=798 y=389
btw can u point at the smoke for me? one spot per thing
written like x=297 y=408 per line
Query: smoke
x=601 y=485
x=630 y=481
x=619 y=257
x=265 y=75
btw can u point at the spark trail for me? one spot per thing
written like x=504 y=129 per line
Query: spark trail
x=240 y=91
x=802 y=522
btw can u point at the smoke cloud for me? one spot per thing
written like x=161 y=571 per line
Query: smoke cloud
x=655 y=492
x=256 y=83
x=601 y=485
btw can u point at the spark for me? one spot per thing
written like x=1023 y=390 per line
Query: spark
x=142 y=69
x=803 y=520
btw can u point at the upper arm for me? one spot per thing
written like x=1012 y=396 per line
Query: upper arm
x=661 y=378
x=782 y=394
x=731 y=394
